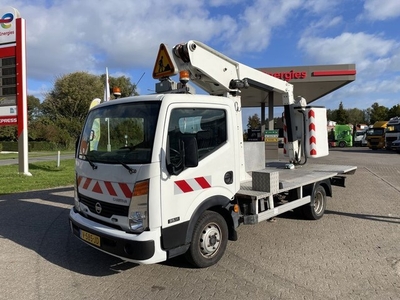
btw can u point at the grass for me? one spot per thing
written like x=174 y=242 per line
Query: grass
x=44 y=175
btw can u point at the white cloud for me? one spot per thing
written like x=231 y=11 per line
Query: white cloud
x=360 y=48
x=257 y=22
x=318 y=6
x=82 y=35
x=381 y=9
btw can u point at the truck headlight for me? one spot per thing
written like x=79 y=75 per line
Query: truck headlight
x=138 y=208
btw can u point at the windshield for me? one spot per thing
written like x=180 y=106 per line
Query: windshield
x=376 y=131
x=122 y=133
x=393 y=128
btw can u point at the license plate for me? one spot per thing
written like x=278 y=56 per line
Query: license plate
x=90 y=238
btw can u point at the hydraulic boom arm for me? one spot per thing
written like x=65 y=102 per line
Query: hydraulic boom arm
x=218 y=74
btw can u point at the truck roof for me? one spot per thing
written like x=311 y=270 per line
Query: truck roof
x=160 y=97
x=394 y=121
x=380 y=124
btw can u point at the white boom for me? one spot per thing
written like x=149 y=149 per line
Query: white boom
x=218 y=74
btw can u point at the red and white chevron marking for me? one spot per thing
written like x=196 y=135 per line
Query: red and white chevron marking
x=191 y=185
x=115 y=189
x=311 y=129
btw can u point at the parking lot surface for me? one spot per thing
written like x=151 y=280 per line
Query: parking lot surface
x=353 y=252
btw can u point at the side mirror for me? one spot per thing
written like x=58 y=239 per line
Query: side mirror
x=191 y=152
x=186 y=157
x=91 y=136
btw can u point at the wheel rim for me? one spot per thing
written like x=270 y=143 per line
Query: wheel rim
x=318 y=202
x=210 y=240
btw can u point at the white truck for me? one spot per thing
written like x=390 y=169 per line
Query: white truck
x=392 y=132
x=163 y=175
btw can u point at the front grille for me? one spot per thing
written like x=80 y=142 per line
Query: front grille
x=374 y=142
x=107 y=209
x=390 y=139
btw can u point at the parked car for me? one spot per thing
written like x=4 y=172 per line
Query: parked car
x=396 y=146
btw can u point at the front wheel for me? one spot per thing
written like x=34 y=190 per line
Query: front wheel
x=342 y=144
x=315 y=210
x=209 y=240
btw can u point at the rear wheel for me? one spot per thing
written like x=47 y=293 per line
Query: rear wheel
x=342 y=144
x=209 y=240
x=316 y=209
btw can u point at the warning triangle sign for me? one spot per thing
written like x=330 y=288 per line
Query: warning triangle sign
x=165 y=65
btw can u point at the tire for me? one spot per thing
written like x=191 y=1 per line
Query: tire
x=342 y=144
x=209 y=240
x=316 y=209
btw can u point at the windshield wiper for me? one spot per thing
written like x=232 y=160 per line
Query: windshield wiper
x=131 y=171
x=92 y=164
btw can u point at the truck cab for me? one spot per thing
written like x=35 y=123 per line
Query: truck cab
x=190 y=142
x=360 y=138
x=343 y=136
x=376 y=135
x=392 y=132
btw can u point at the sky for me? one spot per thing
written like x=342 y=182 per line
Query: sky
x=65 y=36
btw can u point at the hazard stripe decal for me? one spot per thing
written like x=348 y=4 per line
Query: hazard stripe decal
x=184 y=186
x=126 y=190
x=97 y=188
x=105 y=188
x=202 y=182
x=87 y=182
x=192 y=185
x=110 y=188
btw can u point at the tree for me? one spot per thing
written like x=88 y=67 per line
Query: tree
x=356 y=116
x=331 y=114
x=34 y=107
x=126 y=87
x=394 y=111
x=71 y=96
x=341 y=116
x=378 y=113
x=254 y=122
x=8 y=133
x=65 y=107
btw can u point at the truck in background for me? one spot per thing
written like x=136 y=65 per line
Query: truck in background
x=169 y=173
x=392 y=132
x=376 y=135
x=343 y=136
x=360 y=138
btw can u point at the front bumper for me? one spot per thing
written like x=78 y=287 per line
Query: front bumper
x=142 y=249
x=396 y=147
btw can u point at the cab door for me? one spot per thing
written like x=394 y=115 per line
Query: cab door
x=187 y=183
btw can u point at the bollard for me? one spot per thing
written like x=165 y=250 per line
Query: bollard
x=58 y=159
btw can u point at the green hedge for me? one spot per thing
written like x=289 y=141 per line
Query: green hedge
x=10 y=146
x=33 y=146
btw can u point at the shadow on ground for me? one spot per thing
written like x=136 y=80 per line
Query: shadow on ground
x=38 y=221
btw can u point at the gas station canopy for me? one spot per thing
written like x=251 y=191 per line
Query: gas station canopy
x=310 y=82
